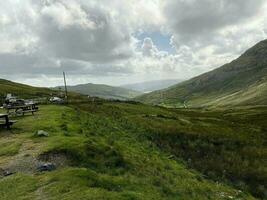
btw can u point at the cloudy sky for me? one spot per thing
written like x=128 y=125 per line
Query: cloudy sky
x=117 y=42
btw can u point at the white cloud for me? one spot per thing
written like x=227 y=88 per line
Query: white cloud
x=150 y=50
x=207 y=34
x=98 y=38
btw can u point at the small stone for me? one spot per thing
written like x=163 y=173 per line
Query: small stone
x=5 y=172
x=46 y=167
x=42 y=133
x=8 y=173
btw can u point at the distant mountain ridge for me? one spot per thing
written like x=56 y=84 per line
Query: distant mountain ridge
x=149 y=86
x=104 y=91
x=240 y=82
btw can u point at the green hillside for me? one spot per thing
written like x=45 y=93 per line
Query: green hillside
x=104 y=91
x=22 y=90
x=113 y=150
x=29 y=92
x=241 y=82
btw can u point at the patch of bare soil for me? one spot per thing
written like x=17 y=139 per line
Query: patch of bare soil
x=29 y=159
x=58 y=158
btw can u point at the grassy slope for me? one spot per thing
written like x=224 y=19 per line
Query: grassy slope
x=104 y=91
x=234 y=83
x=114 y=153
x=24 y=91
x=29 y=92
x=255 y=94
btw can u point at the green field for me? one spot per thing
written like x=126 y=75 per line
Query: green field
x=115 y=150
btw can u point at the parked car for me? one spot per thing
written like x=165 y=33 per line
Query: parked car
x=56 y=100
x=12 y=102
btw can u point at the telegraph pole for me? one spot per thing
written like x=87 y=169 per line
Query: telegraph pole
x=66 y=91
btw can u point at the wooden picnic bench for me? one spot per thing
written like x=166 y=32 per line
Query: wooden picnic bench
x=6 y=122
x=22 y=109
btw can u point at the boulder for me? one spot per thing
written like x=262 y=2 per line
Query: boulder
x=42 y=133
x=46 y=167
x=8 y=173
x=4 y=172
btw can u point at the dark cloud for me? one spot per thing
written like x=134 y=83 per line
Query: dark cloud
x=47 y=37
x=36 y=65
x=213 y=32
x=83 y=33
x=194 y=17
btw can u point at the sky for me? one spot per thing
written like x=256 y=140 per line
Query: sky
x=118 y=42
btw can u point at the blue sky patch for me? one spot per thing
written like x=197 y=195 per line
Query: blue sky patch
x=162 y=42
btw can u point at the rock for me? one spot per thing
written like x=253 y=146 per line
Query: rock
x=42 y=133
x=46 y=167
x=5 y=172
x=8 y=173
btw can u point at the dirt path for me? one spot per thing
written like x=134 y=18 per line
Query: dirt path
x=25 y=161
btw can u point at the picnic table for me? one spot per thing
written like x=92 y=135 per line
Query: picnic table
x=22 y=109
x=6 y=122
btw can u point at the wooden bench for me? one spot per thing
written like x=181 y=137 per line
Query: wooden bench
x=23 y=109
x=6 y=123
x=28 y=111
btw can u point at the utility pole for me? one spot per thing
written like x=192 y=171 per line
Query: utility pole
x=66 y=91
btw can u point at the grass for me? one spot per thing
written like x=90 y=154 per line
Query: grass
x=225 y=145
x=9 y=147
x=116 y=152
x=19 y=186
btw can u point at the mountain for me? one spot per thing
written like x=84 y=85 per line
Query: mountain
x=241 y=82
x=104 y=91
x=150 y=86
